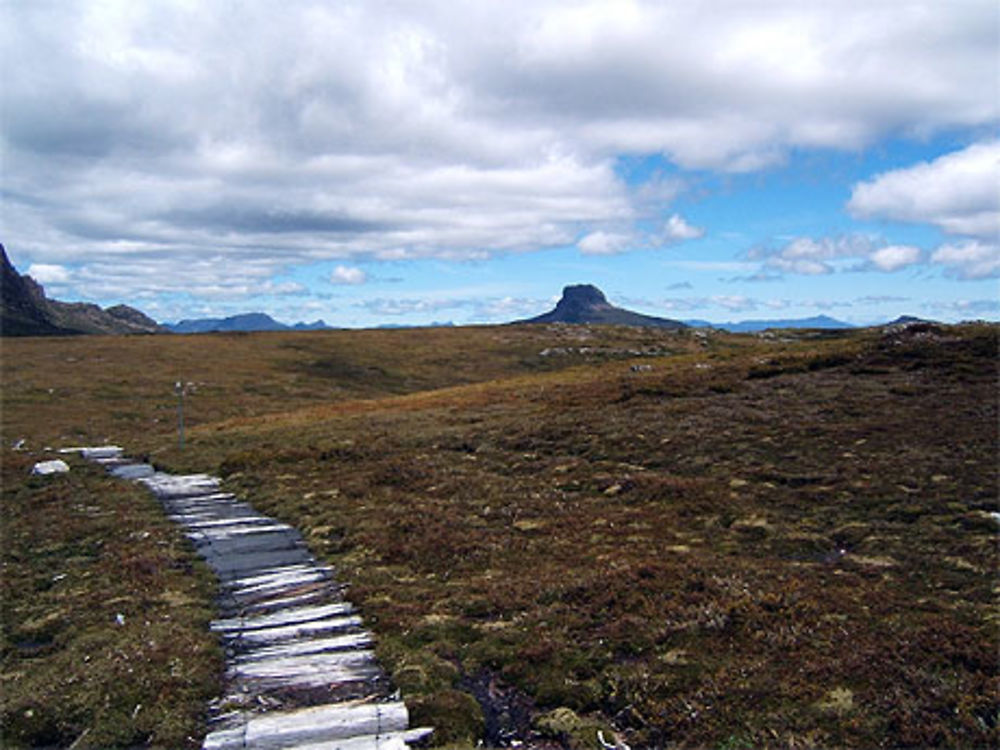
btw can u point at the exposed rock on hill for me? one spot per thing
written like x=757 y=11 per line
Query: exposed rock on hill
x=20 y=311
x=585 y=303
x=26 y=311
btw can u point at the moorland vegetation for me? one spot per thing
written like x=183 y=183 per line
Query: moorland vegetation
x=682 y=538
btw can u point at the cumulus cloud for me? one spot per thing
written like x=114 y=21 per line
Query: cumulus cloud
x=470 y=308
x=348 y=275
x=603 y=243
x=825 y=255
x=970 y=259
x=813 y=257
x=730 y=303
x=677 y=229
x=398 y=307
x=895 y=257
x=150 y=135
x=966 y=308
x=956 y=192
x=880 y=299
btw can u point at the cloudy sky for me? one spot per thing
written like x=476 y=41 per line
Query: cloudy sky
x=399 y=162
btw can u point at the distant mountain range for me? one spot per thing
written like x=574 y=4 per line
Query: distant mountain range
x=585 y=303
x=433 y=324
x=26 y=311
x=246 y=322
x=752 y=326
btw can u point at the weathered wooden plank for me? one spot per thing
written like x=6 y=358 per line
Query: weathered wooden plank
x=346 y=642
x=282 y=730
x=195 y=519
x=309 y=593
x=247 y=544
x=305 y=670
x=217 y=510
x=287 y=579
x=205 y=502
x=167 y=486
x=230 y=530
x=132 y=471
x=238 y=564
x=387 y=741
x=216 y=501
x=278 y=534
x=96 y=453
x=208 y=498
x=298 y=630
x=284 y=617
x=248 y=521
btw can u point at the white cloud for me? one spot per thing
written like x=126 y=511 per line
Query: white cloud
x=735 y=302
x=813 y=257
x=678 y=229
x=348 y=275
x=149 y=137
x=474 y=309
x=507 y=308
x=895 y=257
x=725 y=303
x=603 y=243
x=47 y=273
x=970 y=259
x=957 y=192
x=966 y=308
x=397 y=307
x=826 y=255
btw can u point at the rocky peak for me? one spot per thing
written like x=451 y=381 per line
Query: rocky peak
x=580 y=297
x=585 y=303
x=26 y=311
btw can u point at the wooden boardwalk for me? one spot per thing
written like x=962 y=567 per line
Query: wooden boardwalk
x=300 y=670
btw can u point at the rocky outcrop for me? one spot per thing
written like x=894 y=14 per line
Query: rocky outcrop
x=585 y=303
x=26 y=311
x=22 y=305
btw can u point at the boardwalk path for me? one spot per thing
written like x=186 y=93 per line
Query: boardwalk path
x=300 y=672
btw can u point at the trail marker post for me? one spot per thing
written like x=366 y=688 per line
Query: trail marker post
x=179 y=389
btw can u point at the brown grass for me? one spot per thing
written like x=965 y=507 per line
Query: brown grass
x=757 y=543
x=80 y=550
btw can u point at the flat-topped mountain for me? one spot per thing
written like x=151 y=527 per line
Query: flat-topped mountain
x=585 y=303
x=26 y=311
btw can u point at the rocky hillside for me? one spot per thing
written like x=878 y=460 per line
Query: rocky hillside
x=585 y=303
x=26 y=311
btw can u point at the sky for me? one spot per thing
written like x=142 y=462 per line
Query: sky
x=374 y=162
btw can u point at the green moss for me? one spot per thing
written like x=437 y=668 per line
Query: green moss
x=456 y=716
x=577 y=732
x=423 y=672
